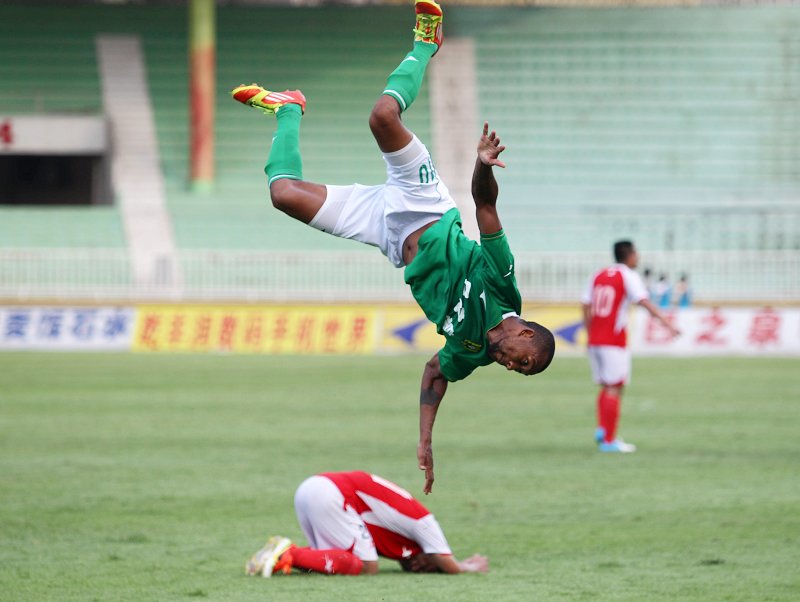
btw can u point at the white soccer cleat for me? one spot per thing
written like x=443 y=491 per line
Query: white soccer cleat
x=617 y=446
x=267 y=559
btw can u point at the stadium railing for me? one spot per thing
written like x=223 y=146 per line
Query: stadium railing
x=104 y=275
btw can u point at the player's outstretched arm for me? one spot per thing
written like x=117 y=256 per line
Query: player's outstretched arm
x=484 y=185
x=442 y=563
x=432 y=390
x=659 y=315
x=587 y=315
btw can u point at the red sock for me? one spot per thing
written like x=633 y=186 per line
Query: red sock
x=608 y=412
x=332 y=562
x=600 y=398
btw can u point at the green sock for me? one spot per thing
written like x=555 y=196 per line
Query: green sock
x=284 y=158
x=404 y=82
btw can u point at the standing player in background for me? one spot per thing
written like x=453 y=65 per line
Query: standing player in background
x=662 y=292
x=683 y=293
x=351 y=518
x=605 y=316
x=468 y=290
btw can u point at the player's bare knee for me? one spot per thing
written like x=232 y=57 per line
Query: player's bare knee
x=384 y=116
x=282 y=194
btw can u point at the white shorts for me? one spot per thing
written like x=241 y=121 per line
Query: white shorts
x=326 y=523
x=610 y=365
x=383 y=216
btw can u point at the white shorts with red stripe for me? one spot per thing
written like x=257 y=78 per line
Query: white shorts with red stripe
x=610 y=365
x=327 y=524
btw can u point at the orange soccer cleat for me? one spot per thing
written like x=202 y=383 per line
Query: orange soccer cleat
x=429 y=23
x=257 y=97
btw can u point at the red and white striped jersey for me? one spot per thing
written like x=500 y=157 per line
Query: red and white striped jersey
x=400 y=526
x=609 y=293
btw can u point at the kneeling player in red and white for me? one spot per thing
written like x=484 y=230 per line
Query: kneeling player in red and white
x=351 y=518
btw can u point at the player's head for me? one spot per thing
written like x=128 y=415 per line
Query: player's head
x=528 y=352
x=543 y=344
x=625 y=252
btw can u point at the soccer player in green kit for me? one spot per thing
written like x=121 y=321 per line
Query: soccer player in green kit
x=468 y=290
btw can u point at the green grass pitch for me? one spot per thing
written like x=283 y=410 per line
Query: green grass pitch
x=126 y=477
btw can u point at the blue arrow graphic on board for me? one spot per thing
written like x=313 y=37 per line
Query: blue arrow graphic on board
x=570 y=332
x=408 y=332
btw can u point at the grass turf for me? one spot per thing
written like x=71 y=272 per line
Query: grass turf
x=131 y=477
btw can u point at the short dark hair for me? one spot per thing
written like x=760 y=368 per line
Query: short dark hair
x=544 y=345
x=622 y=250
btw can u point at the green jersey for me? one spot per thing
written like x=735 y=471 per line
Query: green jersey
x=466 y=289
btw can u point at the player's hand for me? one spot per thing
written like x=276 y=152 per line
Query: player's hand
x=425 y=459
x=674 y=331
x=489 y=147
x=474 y=564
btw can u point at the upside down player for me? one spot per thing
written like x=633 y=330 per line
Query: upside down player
x=468 y=290
x=351 y=518
x=605 y=315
